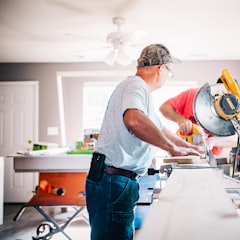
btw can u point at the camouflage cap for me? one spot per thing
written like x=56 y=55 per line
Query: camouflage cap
x=155 y=54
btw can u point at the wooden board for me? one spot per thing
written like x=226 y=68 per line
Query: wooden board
x=192 y=205
x=181 y=159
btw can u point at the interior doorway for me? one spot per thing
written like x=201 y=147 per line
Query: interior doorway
x=18 y=131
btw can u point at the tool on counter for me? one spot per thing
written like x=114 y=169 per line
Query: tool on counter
x=196 y=137
x=164 y=169
x=47 y=187
x=216 y=108
x=211 y=158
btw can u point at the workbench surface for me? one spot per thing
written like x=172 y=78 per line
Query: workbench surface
x=192 y=205
x=52 y=163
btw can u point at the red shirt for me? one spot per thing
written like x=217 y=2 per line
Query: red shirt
x=183 y=103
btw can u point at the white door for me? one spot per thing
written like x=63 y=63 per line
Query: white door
x=18 y=130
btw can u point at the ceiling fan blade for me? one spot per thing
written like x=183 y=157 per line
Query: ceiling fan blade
x=75 y=37
x=137 y=36
x=119 y=56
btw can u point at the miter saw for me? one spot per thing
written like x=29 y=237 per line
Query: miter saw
x=217 y=108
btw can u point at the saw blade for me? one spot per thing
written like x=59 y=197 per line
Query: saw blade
x=206 y=116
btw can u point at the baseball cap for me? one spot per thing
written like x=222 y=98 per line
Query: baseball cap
x=155 y=54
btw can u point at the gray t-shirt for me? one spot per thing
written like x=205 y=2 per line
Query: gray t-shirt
x=121 y=147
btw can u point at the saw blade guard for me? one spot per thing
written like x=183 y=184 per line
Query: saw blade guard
x=205 y=112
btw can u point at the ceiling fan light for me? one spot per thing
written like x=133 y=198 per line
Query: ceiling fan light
x=111 y=57
x=123 y=58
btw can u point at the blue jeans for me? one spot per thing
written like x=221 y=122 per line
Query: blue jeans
x=110 y=204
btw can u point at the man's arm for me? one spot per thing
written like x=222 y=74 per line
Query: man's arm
x=181 y=142
x=142 y=127
x=169 y=112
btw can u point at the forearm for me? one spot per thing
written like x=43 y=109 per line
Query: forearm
x=185 y=125
x=169 y=112
x=176 y=139
x=181 y=142
x=142 y=127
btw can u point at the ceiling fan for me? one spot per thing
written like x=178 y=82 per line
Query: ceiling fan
x=120 y=41
x=122 y=44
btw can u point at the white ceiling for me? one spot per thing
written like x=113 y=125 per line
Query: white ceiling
x=76 y=30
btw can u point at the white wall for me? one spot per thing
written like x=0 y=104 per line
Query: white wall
x=46 y=74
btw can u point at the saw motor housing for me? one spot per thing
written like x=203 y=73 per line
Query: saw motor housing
x=227 y=106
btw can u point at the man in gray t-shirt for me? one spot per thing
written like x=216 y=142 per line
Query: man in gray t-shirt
x=123 y=152
x=116 y=140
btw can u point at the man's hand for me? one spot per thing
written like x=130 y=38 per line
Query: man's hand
x=199 y=148
x=185 y=126
x=182 y=151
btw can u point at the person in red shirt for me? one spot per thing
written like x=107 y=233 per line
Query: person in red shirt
x=180 y=110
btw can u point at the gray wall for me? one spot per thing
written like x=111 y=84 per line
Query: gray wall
x=45 y=73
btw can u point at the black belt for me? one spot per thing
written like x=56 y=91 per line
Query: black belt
x=122 y=172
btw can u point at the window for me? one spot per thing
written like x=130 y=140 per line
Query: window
x=170 y=89
x=97 y=94
x=95 y=99
x=83 y=98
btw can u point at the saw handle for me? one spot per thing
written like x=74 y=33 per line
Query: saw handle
x=229 y=83
x=196 y=131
